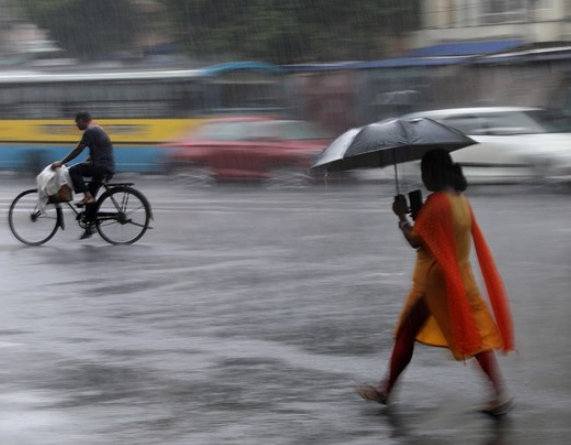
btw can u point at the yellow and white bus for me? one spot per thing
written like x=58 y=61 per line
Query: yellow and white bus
x=140 y=109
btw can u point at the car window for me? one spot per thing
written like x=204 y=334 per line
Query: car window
x=552 y=121
x=469 y=124
x=261 y=131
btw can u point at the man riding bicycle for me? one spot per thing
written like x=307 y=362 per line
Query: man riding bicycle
x=100 y=163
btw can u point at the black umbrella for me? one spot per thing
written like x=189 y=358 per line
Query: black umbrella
x=391 y=141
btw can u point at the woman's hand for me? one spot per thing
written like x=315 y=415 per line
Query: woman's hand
x=400 y=207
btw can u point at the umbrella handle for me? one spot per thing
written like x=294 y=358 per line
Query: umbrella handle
x=396 y=174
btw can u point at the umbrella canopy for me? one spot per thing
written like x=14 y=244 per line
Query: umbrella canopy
x=391 y=141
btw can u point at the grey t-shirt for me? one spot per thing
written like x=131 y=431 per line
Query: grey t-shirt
x=100 y=147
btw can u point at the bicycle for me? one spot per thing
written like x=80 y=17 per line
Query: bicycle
x=121 y=215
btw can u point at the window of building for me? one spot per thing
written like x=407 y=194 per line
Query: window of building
x=504 y=11
x=543 y=4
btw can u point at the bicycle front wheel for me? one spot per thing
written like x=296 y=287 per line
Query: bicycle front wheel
x=123 y=215
x=28 y=223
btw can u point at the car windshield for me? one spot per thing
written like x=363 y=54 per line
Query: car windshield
x=297 y=130
x=222 y=131
x=511 y=122
x=260 y=130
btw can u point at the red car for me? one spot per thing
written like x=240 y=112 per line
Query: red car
x=274 y=151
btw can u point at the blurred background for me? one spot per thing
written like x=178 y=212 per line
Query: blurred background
x=154 y=73
x=246 y=315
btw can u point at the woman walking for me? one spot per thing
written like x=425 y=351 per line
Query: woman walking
x=444 y=307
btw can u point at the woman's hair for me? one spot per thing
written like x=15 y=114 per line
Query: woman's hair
x=443 y=171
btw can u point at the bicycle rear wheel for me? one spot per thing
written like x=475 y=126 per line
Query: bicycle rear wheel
x=28 y=223
x=123 y=215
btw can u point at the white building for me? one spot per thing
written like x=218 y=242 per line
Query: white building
x=500 y=52
x=533 y=21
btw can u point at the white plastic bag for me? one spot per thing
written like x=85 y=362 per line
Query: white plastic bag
x=49 y=182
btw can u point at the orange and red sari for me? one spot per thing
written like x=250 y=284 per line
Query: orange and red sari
x=459 y=318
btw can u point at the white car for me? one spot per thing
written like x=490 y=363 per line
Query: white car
x=515 y=144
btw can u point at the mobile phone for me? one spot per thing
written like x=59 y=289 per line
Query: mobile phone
x=415 y=199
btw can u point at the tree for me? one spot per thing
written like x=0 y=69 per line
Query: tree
x=288 y=31
x=85 y=28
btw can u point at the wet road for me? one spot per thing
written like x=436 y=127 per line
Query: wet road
x=245 y=316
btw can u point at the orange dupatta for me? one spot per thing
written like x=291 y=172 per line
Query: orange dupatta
x=435 y=226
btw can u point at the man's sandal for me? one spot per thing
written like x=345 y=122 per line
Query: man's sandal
x=85 y=202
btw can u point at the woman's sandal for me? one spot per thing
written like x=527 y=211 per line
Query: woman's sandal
x=497 y=407
x=372 y=394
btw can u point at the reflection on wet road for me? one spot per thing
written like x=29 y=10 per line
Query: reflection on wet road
x=245 y=316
